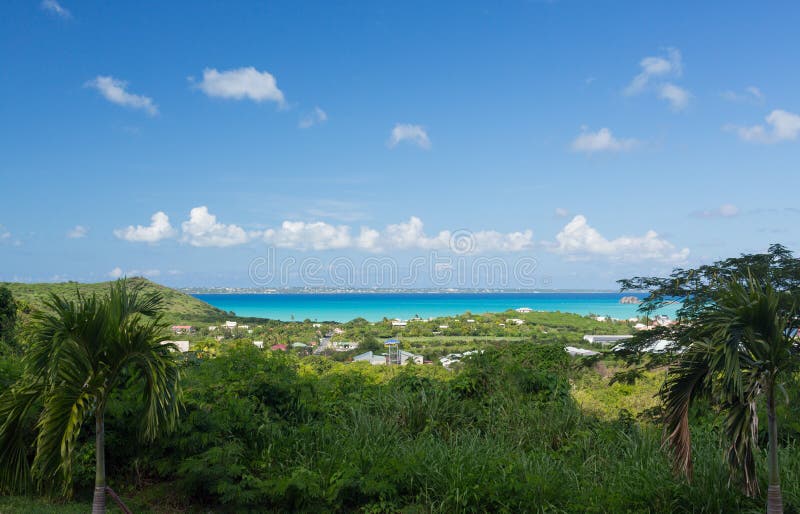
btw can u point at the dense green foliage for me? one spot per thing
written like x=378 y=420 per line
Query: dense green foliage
x=178 y=306
x=79 y=353
x=271 y=432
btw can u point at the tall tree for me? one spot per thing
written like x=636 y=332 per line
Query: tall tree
x=80 y=351
x=743 y=346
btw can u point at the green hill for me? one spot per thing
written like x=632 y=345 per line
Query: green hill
x=180 y=307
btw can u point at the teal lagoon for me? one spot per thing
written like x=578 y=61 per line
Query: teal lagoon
x=343 y=307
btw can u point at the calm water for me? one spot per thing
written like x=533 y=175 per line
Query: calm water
x=376 y=306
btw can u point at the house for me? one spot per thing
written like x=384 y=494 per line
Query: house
x=372 y=358
x=515 y=321
x=259 y=344
x=399 y=323
x=605 y=339
x=406 y=357
x=524 y=310
x=382 y=360
x=212 y=328
x=280 y=346
x=299 y=345
x=453 y=358
x=182 y=329
x=658 y=346
x=244 y=327
x=444 y=327
x=579 y=351
x=601 y=318
x=316 y=325
x=182 y=346
x=230 y=325
x=338 y=330
x=470 y=321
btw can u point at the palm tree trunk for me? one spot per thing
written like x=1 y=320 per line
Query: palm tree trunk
x=774 y=499
x=99 y=503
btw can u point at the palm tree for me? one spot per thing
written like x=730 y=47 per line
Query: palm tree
x=743 y=346
x=80 y=351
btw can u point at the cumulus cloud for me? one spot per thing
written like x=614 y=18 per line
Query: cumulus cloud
x=158 y=229
x=406 y=235
x=315 y=117
x=655 y=71
x=578 y=240
x=677 y=96
x=53 y=7
x=781 y=126
x=203 y=229
x=303 y=236
x=114 y=90
x=727 y=210
x=654 y=68
x=77 y=232
x=601 y=141
x=119 y=273
x=242 y=83
x=414 y=134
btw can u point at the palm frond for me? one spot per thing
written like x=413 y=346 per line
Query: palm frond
x=687 y=381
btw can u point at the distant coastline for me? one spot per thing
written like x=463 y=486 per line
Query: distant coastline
x=331 y=290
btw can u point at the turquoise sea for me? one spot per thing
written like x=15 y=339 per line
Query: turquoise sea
x=375 y=306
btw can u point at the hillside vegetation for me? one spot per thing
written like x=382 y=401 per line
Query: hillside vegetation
x=179 y=307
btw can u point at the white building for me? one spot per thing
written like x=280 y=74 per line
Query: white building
x=579 y=351
x=605 y=339
x=399 y=323
x=516 y=321
x=231 y=325
x=259 y=344
x=372 y=358
x=524 y=310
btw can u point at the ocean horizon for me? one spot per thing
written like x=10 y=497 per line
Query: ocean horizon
x=342 y=307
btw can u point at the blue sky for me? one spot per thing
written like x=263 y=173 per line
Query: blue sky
x=597 y=139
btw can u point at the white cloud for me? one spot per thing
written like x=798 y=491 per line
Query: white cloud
x=53 y=7
x=652 y=77
x=114 y=90
x=317 y=236
x=677 y=96
x=78 y=232
x=414 y=134
x=578 y=240
x=727 y=210
x=407 y=235
x=561 y=212
x=601 y=141
x=654 y=67
x=751 y=94
x=315 y=117
x=781 y=126
x=202 y=229
x=242 y=83
x=158 y=229
x=5 y=235
x=119 y=273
